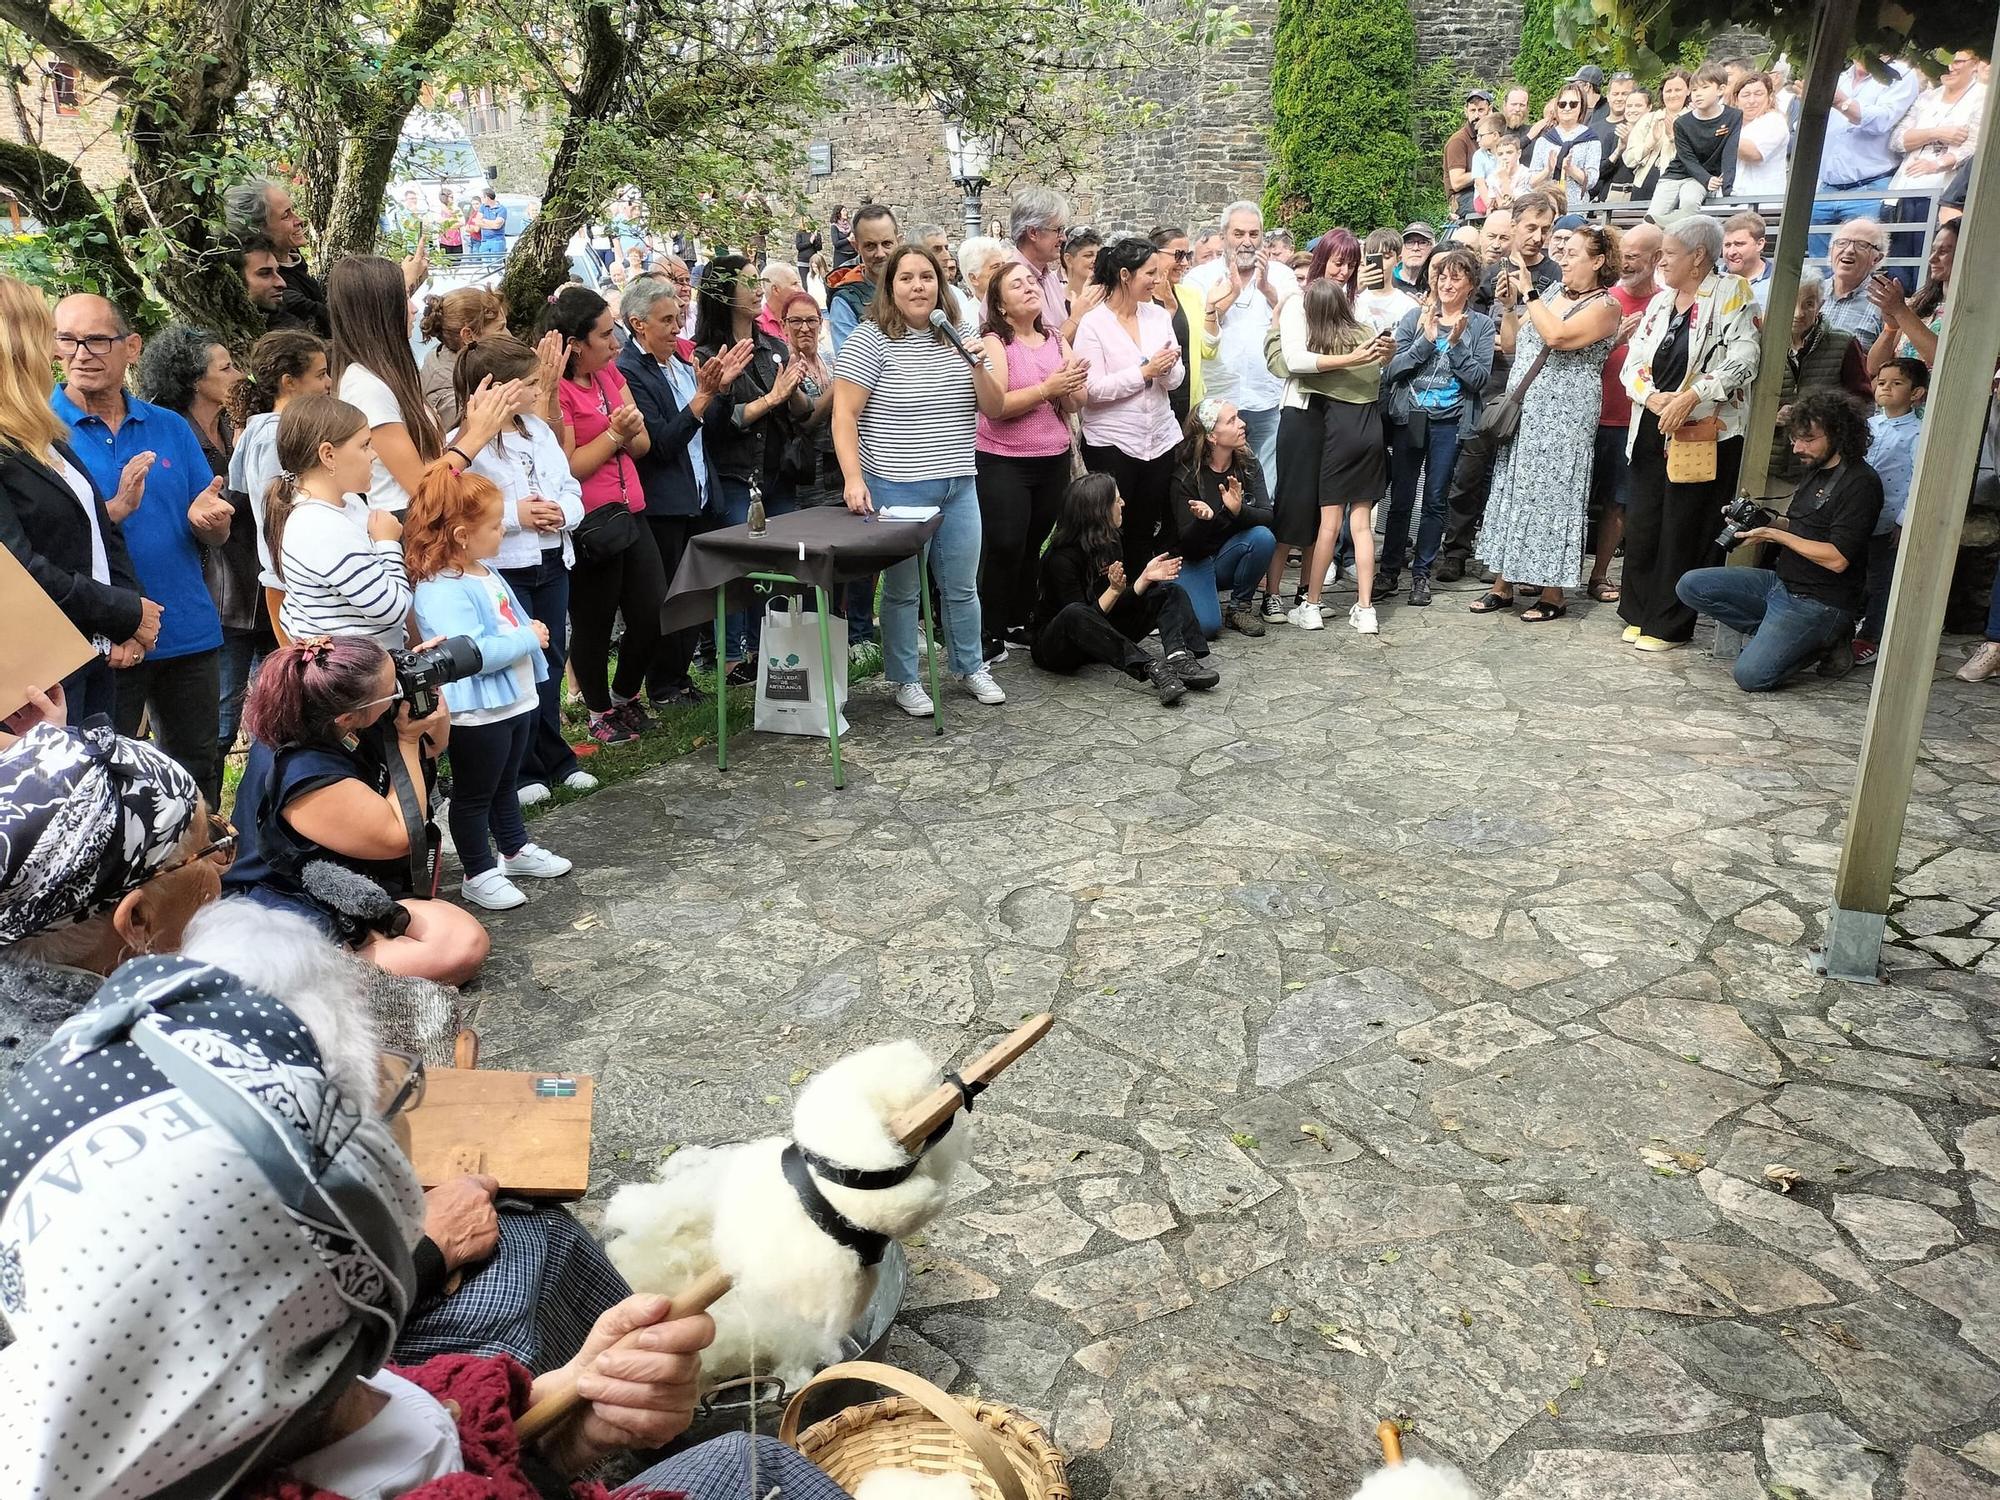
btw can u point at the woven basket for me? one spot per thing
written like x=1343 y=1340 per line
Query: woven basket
x=1002 y=1452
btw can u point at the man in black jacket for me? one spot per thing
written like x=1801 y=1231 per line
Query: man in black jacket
x=677 y=399
x=262 y=207
x=1803 y=608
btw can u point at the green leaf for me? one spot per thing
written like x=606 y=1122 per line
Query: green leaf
x=1390 y=1257
x=1586 y=1276
x=799 y=1076
x=1244 y=1142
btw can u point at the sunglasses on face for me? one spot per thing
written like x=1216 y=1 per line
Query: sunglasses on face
x=1569 y=104
x=1182 y=257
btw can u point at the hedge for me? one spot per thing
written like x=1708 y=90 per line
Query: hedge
x=1543 y=64
x=1343 y=142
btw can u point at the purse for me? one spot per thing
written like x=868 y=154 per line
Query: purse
x=1500 y=418
x=1691 y=452
x=604 y=533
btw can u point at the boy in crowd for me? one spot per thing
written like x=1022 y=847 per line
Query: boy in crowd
x=1704 y=159
x=1900 y=387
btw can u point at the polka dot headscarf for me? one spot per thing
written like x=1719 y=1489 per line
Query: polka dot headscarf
x=174 y=1311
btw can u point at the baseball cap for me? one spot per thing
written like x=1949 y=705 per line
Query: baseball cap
x=1571 y=221
x=1589 y=74
x=1486 y=94
x=1420 y=231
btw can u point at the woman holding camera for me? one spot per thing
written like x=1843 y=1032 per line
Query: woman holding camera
x=321 y=829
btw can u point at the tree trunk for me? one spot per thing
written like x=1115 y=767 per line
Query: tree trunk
x=52 y=190
x=540 y=262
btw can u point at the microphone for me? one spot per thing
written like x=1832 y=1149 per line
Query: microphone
x=355 y=897
x=941 y=321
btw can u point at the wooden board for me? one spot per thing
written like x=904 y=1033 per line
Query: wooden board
x=39 y=647
x=483 y=1121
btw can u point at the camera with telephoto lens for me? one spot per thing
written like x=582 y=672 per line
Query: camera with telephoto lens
x=422 y=671
x=1739 y=516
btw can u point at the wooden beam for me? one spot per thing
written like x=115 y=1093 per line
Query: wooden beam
x=1831 y=39
x=1947 y=459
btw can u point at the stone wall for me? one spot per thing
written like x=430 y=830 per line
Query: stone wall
x=1480 y=37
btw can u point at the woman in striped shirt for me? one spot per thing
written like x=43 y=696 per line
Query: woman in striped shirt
x=905 y=413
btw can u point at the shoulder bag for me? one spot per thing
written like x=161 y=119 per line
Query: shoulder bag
x=1691 y=451
x=1500 y=418
x=607 y=531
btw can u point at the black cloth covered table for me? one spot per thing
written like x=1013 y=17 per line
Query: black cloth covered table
x=823 y=546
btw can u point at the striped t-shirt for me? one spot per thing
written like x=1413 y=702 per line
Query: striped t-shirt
x=921 y=419
x=339 y=582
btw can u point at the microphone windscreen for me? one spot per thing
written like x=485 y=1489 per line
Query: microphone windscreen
x=939 y=319
x=346 y=891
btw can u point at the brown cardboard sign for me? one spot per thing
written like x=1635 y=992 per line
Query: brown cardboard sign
x=38 y=645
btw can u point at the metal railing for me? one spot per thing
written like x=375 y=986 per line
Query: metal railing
x=1909 y=243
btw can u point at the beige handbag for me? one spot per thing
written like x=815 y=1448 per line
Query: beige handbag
x=1691 y=457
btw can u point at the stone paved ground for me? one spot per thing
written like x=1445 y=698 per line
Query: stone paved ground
x=1432 y=1010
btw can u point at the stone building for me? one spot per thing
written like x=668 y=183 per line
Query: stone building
x=67 y=115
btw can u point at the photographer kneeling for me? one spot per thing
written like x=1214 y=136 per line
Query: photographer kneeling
x=1803 y=609
x=322 y=831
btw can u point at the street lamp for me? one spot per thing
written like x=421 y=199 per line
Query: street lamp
x=968 y=158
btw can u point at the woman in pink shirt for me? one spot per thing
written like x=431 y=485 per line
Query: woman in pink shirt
x=1023 y=454
x=1127 y=342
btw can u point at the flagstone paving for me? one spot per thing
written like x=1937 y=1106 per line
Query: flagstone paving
x=1434 y=1038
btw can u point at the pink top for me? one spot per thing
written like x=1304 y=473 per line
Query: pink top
x=1040 y=433
x=1126 y=411
x=587 y=407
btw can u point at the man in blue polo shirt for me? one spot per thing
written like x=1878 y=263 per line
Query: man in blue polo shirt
x=179 y=511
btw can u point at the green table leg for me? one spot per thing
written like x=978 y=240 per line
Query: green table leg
x=721 y=683
x=832 y=697
x=930 y=637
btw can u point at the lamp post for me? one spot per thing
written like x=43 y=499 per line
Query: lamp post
x=968 y=158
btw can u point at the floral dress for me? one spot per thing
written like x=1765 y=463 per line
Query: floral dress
x=1535 y=517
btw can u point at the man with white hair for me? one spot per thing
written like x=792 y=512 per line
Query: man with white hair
x=263 y=206
x=1856 y=250
x=1243 y=287
x=778 y=281
x=1038 y=224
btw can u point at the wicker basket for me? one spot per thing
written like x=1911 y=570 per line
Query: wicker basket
x=1002 y=1452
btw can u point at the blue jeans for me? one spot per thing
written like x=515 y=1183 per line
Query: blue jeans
x=1992 y=621
x=745 y=628
x=1238 y=567
x=1785 y=631
x=954 y=569
x=1839 y=211
x=239 y=662
x=1434 y=459
x=544 y=589
x=1262 y=429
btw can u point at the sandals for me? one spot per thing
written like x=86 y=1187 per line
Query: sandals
x=1603 y=591
x=1542 y=612
x=1489 y=604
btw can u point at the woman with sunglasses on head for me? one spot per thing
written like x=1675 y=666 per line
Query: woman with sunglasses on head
x=320 y=817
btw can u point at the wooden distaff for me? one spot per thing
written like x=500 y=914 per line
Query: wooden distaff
x=912 y=1127
x=1390 y=1436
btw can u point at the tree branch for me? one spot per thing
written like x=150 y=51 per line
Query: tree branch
x=55 y=192
x=40 y=24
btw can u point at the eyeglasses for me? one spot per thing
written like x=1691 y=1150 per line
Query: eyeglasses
x=395 y=697
x=220 y=850
x=1854 y=244
x=402 y=1081
x=98 y=344
x=802 y=322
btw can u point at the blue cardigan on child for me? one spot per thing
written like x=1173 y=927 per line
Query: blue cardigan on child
x=458 y=604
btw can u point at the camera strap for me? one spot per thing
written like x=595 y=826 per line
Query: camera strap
x=423 y=867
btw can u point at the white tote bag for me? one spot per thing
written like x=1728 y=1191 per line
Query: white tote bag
x=791 y=674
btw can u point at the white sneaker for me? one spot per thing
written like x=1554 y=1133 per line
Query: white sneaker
x=1982 y=664
x=1362 y=618
x=1306 y=615
x=492 y=890
x=580 y=781
x=1331 y=579
x=914 y=701
x=536 y=861
x=982 y=686
x=533 y=792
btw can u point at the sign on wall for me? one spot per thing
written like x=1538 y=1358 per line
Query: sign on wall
x=819 y=158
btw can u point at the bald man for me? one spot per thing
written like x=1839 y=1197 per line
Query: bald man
x=779 y=281
x=1638 y=257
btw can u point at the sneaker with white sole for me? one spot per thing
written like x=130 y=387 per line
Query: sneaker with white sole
x=533 y=792
x=1306 y=615
x=1982 y=664
x=1362 y=618
x=536 y=861
x=580 y=781
x=914 y=701
x=492 y=890
x=1331 y=578
x=982 y=686
x=1274 y=610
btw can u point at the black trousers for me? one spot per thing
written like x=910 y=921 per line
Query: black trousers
x=1148 y=486
x=631 y=584
x=668 y=674
x=182 y=696
x=544 y=588
x=1082 y=633
x=1471 y=480
x=1019 y=499
x=1669 y=530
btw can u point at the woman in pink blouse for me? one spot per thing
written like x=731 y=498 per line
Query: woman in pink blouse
x=1128 y=343
x=617 y=564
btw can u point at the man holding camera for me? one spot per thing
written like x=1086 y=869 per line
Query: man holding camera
x=1803 y=608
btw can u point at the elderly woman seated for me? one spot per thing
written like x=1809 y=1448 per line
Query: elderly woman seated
x=208 y=1265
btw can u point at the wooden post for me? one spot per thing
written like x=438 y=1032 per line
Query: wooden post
x=1947 y=459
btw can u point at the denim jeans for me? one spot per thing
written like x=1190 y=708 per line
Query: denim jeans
x=544 y=589
x=1786 y=632
x=954 y=568
x=1239 y=567
x=1262 y=429
x=240 y=659
x=1839 y=211
x=1434 y=459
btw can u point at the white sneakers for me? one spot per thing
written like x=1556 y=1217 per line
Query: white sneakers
x=1362 y=618
x=1982 y=664
x=533 y=792
x=1306 y=615
x=536 y=861
x=580 y=781
x=914 y=701
x=538 y=791
x=492 y=890
x=982 y=686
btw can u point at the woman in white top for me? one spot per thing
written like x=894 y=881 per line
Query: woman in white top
x=1570 y=153
x=1763 y=149
x=374 y=370
x=1127 y=342
x=542 y=503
